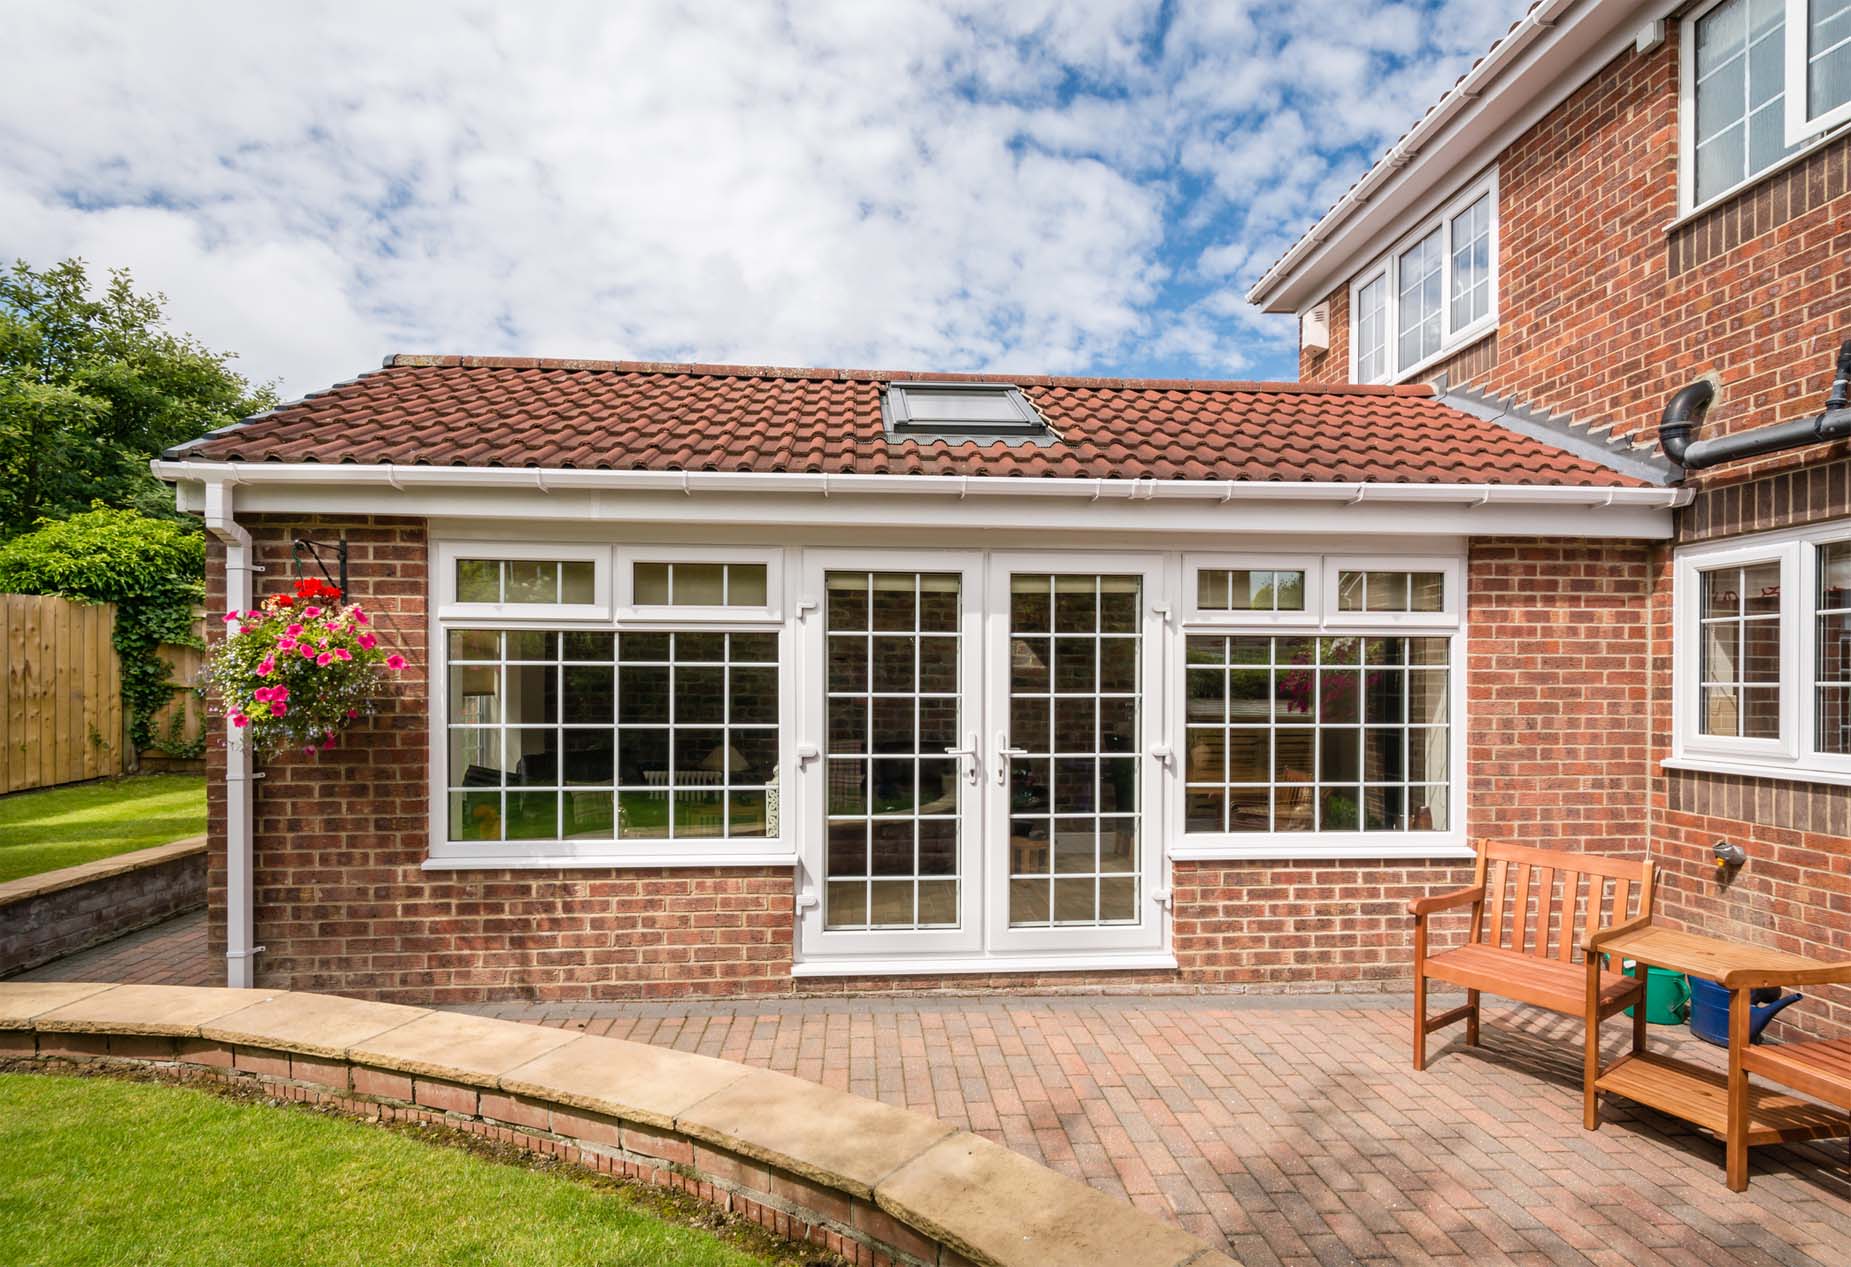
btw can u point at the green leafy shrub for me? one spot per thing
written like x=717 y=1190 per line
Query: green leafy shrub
x=153 y=570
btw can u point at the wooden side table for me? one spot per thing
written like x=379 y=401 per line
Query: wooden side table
x=1724 y=1104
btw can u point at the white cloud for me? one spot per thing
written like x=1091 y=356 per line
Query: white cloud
x=941 y=186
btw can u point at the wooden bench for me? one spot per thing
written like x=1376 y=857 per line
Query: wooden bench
x=1525 y=903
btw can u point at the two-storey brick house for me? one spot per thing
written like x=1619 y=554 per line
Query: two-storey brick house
x=733 y=680
x=1619 y=199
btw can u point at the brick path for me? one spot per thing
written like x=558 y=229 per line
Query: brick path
x=1292 y=1129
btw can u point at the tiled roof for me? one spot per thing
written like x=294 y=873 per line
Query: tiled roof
x=626 y=415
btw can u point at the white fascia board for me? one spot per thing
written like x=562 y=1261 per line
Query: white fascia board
x=928 y=502
x=1551 y=52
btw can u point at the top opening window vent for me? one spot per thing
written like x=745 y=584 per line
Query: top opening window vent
x=960 y=412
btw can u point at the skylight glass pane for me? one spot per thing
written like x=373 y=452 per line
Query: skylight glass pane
x=961 y=407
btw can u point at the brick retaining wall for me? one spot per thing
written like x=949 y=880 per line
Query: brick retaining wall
x=43 y=917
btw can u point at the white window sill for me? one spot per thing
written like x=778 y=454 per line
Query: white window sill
x=1444 y=848
x=964 y=965
x=1759 y=770
x=1459 y=344
x=1716 y=200
x=482 y=861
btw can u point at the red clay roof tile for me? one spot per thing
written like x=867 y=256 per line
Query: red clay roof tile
x=631 y=415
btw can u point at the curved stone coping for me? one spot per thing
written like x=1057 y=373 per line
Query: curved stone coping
x=27 y=887
x=955 y=1196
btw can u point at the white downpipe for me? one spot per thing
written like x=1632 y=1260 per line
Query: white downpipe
x=241 y=949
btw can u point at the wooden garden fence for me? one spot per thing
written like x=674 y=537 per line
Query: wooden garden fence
x=61 y=712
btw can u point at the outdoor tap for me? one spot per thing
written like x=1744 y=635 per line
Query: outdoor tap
x=1728 y=855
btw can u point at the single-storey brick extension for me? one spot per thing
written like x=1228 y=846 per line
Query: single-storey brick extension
x=738 y=680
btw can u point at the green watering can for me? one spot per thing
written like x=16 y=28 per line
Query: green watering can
x=1667 y=995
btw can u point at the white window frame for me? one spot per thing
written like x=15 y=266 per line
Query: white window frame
x=628 y=609
x=1195 y=564
x=1387 y=266
x=444 y=854
x=446 y=554
x=1793 y=754
x=1809 y=136
x=1798 y=126
x=1450 y=843
x=1449 y=569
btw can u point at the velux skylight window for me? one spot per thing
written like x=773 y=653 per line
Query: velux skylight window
x=961 y=411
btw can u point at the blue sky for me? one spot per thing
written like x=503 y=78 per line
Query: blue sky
x=1031 y=186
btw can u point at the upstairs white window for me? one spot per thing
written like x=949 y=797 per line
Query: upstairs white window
x=1763 y=80
x=1431 y=294
x=1762 y=653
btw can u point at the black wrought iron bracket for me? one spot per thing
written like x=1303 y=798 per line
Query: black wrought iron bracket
x=316 y=552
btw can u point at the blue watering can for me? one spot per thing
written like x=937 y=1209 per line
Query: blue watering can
x=1709 y=1010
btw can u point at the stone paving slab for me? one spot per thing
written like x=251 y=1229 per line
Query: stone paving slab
x=126 y=1009
x=639 y=1083
x=814 y=1131
x=453 y=1045
x=316 y=1024
x=28 y=999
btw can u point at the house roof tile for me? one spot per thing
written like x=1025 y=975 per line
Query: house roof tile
x=633 y=415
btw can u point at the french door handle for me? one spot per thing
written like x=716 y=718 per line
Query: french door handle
x=1004 y=755
x=969 y=753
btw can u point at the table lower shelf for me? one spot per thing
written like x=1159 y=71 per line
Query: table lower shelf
x=1701 y=1097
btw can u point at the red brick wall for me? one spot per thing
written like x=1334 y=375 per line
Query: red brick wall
x=1556 y=685
x=1603 y=313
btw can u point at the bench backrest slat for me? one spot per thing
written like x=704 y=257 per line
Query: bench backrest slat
x=1523 y=883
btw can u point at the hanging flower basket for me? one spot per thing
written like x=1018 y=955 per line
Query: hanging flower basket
x=297 y=671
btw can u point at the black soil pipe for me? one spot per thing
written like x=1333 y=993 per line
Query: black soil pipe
x=1685 y=410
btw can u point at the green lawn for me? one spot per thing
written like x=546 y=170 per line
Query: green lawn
x=63 y=826
x=96 y=1170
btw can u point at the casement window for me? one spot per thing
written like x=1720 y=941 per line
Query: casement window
x=1762 y=654
x=1337 y=736
x=1763 y=80
x=522 y=582
x=1432 y=293
x=572 y=738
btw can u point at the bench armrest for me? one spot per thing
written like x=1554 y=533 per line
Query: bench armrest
x=1421 y=907
x=1601 y=936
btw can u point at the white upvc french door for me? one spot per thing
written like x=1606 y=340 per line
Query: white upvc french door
x=1074 y=694
x=979 y=755
x=890 y=754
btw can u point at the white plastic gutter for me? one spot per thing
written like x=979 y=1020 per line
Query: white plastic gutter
x=241 y=949
x=564 y=479
x=1532 y=26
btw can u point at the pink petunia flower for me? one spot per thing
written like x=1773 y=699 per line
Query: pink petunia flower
x=359 y=617
x=325 y=659
x=368 y=642
x=231 y=617
x=293 y=630
x=309 y=613
x=342 y=653
x=352 y=713
x=240 y=720
x=261 y=695
x=395 y=661
x=285 y=644
x=279 y=691
x=267 y=667
x=308 y=652
x=328 y=742
x=278 y=709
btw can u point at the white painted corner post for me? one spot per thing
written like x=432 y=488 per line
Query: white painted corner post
x=241 y=949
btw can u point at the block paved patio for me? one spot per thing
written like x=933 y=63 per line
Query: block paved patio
x=1290 y=1128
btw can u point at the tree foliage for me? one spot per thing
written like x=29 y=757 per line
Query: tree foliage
x=152 y=569
x=94 y=386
